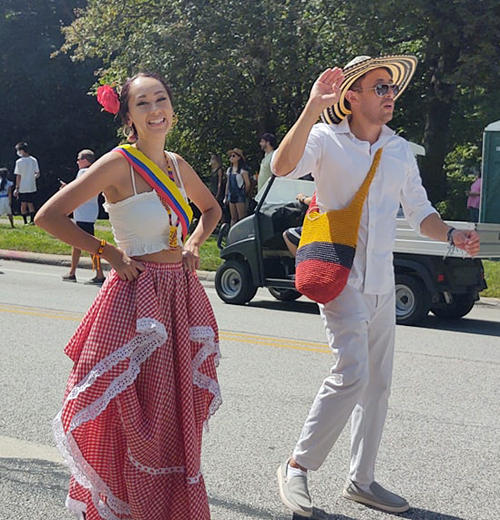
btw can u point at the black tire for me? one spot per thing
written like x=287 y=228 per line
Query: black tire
x=460 y=306
x=233 y=282
x=412 y=300
x=284 y=295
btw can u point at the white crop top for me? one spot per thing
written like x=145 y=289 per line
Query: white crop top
x=142 y=224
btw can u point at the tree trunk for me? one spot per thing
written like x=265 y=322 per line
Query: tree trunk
x=437 y=128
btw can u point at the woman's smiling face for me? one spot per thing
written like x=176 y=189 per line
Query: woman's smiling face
x=149 y=107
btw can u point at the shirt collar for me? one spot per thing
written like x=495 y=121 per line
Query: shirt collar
x=344 y=128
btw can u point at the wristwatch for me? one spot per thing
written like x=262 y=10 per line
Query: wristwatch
x=449 y=236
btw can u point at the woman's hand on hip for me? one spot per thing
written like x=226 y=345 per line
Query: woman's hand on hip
x=190 y=259
x=126 y=268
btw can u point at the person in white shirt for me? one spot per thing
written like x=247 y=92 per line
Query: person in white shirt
x=267 y=144
x=355 y=104
x=85 y=217
x=27 y=171
x=6 y=195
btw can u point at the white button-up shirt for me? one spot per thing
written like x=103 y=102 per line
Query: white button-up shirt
x=339 y=163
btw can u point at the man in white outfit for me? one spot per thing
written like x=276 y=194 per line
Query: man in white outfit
x=27 y=172
x=85 y=217
x=355 y=104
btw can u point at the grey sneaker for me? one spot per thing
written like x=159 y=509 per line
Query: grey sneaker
x=294 y=492
x=378 y=497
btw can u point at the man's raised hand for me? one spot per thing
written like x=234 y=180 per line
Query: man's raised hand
x=326 y=90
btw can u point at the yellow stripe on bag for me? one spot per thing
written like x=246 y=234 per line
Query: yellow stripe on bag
x=326 y=226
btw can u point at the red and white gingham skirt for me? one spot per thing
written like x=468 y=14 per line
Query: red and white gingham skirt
x=142 y=387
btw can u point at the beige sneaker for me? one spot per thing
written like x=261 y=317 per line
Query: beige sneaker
x=294 y=493
x=378 y=497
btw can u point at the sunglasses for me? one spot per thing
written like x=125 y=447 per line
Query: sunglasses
x=382 y=89
x=234 y=155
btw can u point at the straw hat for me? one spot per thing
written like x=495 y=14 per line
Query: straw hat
x=237 y=151
x=402 y=69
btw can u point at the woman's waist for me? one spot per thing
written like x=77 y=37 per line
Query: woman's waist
x=165 y=256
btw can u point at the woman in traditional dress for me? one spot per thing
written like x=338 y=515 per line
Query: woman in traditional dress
x=144 y=378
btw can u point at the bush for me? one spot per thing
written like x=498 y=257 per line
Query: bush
x=462 y=166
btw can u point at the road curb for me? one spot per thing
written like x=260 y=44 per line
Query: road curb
x=65 y=260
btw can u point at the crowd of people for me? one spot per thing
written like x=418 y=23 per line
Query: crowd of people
x=143 y=382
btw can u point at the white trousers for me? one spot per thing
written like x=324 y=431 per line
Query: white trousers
x=360 y=329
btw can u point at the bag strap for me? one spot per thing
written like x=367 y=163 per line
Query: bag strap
x=359 y=198
x=160 y=182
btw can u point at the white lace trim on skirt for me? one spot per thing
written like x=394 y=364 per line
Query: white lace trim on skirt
x=151 y=334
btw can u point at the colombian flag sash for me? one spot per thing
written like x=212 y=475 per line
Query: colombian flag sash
x=160 y=182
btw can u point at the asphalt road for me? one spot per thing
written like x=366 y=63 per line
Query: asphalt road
x=442 y=437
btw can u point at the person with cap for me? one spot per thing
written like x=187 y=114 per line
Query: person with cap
x=237 y=185
x=355 y=104
x=267 y=144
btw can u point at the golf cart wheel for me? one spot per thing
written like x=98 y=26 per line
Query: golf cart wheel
x=460 y=306
x=284 y=295
x=233 y=282
x=412 y=300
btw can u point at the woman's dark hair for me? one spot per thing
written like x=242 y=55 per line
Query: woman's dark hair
x=3 y=175
x=217 y=158
x=125 y=93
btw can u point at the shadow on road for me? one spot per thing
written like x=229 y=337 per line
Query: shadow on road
x=250 y=511
x=303 y=307
x=412 y=514
x=467 y=325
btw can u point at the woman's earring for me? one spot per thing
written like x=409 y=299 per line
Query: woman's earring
x=130 y=133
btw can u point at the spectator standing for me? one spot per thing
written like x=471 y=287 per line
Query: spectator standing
x=27 y=172
x=85 y=217
x=217 y=179
x=238 y=185
x=6 y=195
x=267 y=144
x=474 y=199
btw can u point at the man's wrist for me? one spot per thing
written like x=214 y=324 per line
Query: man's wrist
x=449 y=236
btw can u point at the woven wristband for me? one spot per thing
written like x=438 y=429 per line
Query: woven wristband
x=100 y=250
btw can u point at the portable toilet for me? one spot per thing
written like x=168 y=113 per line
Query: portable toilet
x=489 y=210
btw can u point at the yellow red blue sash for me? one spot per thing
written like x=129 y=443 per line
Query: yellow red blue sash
x=160 y=182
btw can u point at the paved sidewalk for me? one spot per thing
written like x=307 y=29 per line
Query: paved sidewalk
x=65 y=260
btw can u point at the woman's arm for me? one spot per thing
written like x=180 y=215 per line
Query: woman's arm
x=210 y=214
x=246 y=180
x=220 y=176
x=105 y=175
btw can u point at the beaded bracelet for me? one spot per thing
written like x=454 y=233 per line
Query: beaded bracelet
x=100 y=250
x=96 y=258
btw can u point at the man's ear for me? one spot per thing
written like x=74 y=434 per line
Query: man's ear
x=350 y=95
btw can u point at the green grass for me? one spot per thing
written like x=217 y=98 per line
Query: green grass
x=492 y=275
x=32 y=238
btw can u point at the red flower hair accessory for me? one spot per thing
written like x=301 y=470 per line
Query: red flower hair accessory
x=108 y=98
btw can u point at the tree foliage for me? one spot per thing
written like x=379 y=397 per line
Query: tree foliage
x=240 y=68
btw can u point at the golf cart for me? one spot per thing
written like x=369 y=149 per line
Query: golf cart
x=254 y=252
